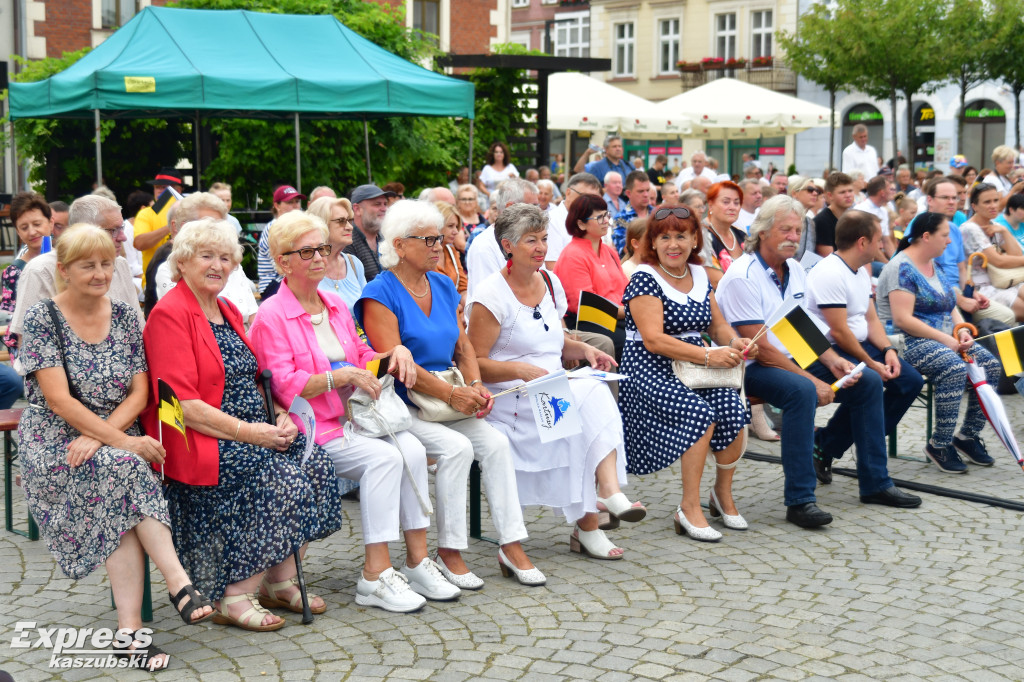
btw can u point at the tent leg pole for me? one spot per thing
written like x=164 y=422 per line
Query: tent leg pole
x=366 y=145
x=470 y=162
x=298 y=160
x=198 y=171
x=99 y=149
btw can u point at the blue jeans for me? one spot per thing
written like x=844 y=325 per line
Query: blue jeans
x=897 y=396
x=796 y=397
x=11 y=386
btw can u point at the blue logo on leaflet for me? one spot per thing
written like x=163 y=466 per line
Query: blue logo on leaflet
x=560 y=407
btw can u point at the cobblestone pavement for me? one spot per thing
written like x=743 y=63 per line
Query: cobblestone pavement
x=935 y=593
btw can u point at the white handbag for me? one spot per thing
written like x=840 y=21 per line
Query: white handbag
x=698 y=376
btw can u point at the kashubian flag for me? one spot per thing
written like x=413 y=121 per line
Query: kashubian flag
x=1011 y=350
x=169 y=409
x=378 y=367
x=597 y=310
x=798 y=333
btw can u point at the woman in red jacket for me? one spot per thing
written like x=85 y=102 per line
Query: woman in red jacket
x=239 y=498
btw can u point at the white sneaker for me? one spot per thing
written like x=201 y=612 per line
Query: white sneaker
x=389 y=592
x=426 y=579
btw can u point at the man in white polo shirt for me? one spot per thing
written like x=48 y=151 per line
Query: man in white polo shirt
x=751 y=290
x=839 y=294
x=860 y=156
x=876 y=203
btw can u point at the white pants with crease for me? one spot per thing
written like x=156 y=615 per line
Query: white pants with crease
x=455 y=445
x=377 y=464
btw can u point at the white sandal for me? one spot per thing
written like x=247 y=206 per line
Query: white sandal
x=593 y=543
x=252 y=619
x=619 y=507
x=759 y=424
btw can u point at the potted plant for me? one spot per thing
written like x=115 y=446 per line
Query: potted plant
x=712 y=63
x=736 y=63
x=688 y=67
x=762 y=62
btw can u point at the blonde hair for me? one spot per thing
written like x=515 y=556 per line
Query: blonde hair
x=447 y=212
x=80 y=241
x=321 y=208
x=287 y=230
x=1003 y=153
x=203 y=233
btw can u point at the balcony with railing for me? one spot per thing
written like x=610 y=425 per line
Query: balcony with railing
x=766 y=72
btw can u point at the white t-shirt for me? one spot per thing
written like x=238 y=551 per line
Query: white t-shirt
x=744 y=220
x=832 y=284
x=881 y=212
x=483 y=259
x=238 y=289
x=863 y=160
x=558 y=236
x=687 y=174
x=1000 y=182
x=747 y=294
x=492 y=178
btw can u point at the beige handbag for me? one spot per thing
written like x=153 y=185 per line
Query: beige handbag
x=434 y=409
x=698 y=376
x=1004 y=278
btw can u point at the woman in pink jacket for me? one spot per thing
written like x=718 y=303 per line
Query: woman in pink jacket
x=307 y=338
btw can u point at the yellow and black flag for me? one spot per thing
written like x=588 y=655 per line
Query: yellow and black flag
x=798 y=333
x=169 y=409
x=597 y=310
x=378 y=367
x=1011 y=350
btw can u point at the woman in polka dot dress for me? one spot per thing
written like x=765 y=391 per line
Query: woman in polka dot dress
x=669 y=302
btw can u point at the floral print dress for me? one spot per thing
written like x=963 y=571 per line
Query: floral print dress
x=265 y=504
x=83 y=511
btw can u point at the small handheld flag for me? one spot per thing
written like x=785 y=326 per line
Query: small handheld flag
x=1011 y=350
x=169 y=412
x=597 y=310
x=378 y=367
x=798 y=333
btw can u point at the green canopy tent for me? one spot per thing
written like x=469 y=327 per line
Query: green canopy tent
x=239 y=64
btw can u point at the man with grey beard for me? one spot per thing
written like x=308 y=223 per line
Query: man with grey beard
x=369 y=204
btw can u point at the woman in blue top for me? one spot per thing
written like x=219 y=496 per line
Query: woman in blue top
x=923 y=307
x=345 y=273
x=412 y=304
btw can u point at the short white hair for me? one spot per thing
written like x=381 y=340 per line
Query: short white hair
x=609 y=174
x=773 y=209
x=546 y=183
x=402 y=219
x=205 y=232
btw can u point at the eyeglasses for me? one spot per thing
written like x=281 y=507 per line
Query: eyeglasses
x=427 y=241
x=116 y=231
x=342 y=222
x=307 y=253
x=677 y=211
x=601 y=217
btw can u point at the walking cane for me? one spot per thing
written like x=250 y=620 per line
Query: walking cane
x=307 y=615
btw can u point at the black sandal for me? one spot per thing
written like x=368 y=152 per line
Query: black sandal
x=139 y=660
x=196 y=601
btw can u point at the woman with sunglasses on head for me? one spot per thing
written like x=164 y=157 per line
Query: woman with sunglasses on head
x=344 y=274
x=412 y=304
x=669 y=304
x=306 y=337
x=515 y=327
x=807 y=193
x=587 y=263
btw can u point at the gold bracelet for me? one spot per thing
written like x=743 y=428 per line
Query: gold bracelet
x=450 y=395
x=238 y=429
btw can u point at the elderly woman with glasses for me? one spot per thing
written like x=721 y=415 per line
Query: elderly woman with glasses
x=515 y=326
x=587 y=263
x=306 y=337
x=414 y=305
x=344 y=274
x=669 y=305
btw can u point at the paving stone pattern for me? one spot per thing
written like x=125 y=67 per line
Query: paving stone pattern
x=935 y=593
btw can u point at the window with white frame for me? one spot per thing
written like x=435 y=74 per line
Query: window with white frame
x=761 y=33
x=668 y=46
x=725 y=35
x=115 y=13
x=625 y=50
x=572 y=35
x=520 y=3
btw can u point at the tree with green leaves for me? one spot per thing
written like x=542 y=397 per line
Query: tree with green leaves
x=970 y=36
x=1006 y=59
x=817 y=51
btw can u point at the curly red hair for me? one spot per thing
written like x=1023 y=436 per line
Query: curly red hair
x=671 y=223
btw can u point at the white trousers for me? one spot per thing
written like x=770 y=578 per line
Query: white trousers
x=455 y=445
x=377 y=464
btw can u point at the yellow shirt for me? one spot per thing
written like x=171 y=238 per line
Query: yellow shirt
x=148 y=221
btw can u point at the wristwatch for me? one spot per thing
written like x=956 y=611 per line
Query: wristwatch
x=890 y=348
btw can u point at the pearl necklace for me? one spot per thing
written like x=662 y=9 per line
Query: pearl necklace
x=682 y=276
x=720 y=237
